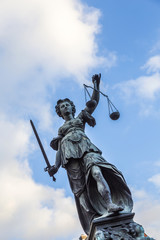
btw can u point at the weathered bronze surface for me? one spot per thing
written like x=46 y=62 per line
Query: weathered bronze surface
x=98 y=187
x=117 y=227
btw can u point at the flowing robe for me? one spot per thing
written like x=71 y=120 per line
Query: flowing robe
x=78 y=155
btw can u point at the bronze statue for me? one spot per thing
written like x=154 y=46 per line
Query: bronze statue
x=99 y=188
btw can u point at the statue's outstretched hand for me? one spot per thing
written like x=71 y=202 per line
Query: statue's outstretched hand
x=96 y=78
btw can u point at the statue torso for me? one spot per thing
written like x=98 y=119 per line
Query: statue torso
x=75 y=143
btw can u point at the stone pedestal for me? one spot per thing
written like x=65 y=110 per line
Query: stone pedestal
x=117 y=227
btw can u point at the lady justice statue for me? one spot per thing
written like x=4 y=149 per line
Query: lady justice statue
x=98 y=187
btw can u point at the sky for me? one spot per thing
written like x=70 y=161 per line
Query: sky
x=48 y=50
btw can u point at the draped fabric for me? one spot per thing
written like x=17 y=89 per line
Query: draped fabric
x=84 y=186
x=78 y=155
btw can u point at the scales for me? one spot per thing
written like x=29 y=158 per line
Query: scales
x=113 y=112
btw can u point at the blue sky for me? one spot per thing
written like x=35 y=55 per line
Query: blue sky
x=48 y=49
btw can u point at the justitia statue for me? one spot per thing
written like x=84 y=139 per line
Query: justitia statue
x=98 y=187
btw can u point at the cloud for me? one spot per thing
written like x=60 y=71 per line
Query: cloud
x=147 y=207
x=145 y=89
x=153 y=64
x=147 y=210
x=155 y=180
x=29 y=210
x=49 y=36
x=147 y=86
x=42 y=42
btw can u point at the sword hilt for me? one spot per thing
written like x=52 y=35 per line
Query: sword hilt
x=46 y=169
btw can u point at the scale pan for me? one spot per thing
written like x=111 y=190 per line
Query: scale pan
x=91 y=104
x=114 y=115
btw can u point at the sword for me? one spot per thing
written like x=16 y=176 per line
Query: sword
x=42 y=149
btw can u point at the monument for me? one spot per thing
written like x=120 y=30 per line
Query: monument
x=102 y=197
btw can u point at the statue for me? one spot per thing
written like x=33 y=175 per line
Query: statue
x=98 y=187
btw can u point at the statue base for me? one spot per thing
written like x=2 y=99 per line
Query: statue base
x=117 y=227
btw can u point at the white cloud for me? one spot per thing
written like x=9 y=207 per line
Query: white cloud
x=153 y=64
x=40 y=43
x=145 y=87
x=139 y=194
x=144 y=90
x=155 y=180
x=29 y=210
x=52 y=35
x=147 y=211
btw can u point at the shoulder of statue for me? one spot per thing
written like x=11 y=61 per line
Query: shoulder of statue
x=60 y=130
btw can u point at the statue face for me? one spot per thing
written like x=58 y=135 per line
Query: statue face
x=65 y=108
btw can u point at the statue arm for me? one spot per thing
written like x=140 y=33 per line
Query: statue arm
x=58 y=160
x=58 y=156
x=54 y=169
x=95 y=94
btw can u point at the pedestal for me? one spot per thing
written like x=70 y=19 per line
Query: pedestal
x=117 y=227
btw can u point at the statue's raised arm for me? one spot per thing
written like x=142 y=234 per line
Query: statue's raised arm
x=92 y=104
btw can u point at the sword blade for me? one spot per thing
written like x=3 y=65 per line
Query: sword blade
x=40 y=145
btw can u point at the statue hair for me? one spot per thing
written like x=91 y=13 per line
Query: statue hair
x=57 y=107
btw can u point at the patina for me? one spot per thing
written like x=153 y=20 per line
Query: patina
x=99 y=188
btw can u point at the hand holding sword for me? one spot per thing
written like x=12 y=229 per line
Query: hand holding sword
x=51 y=169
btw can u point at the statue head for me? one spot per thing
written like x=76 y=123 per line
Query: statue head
x=61 y=101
